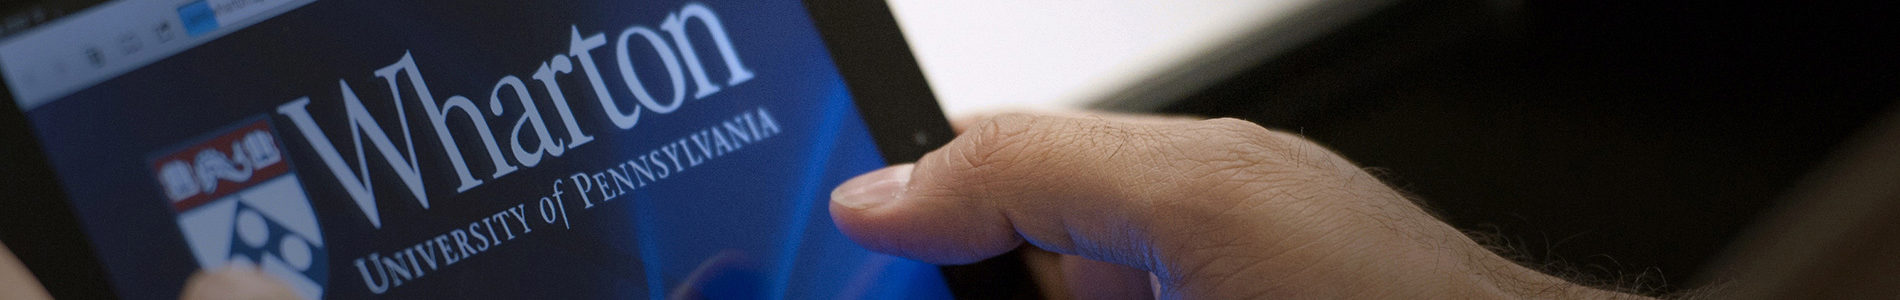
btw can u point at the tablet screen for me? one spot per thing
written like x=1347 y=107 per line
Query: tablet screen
x=451 y=149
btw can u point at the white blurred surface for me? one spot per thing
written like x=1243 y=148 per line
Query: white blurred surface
x=986 y=55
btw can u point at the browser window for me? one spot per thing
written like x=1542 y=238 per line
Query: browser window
x=453 y=149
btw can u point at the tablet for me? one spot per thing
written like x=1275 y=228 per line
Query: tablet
x=456 y=149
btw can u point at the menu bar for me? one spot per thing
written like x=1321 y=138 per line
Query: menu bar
x=80 y=50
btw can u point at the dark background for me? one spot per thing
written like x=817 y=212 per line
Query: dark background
x=1622 y=143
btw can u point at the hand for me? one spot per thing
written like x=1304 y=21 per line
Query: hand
x=1214 y=209
x=234 y=283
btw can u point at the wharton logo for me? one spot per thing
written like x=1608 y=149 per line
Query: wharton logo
x=238 y=204
x=532 y=139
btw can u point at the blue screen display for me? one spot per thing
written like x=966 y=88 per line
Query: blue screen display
x=480 y=149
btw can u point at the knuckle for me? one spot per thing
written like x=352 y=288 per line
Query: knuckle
x=1246 y=136
x=1017 y=142
x=996 y=142
x=988 y=156
x=1231 y=165
x=1234 y=125
x=1253 y=145
x=1220 y=148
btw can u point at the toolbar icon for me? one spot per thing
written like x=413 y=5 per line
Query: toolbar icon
x=95 y=56
x=163 y=32
x=129 y=43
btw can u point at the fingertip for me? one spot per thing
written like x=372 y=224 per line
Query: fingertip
x=873 y=189
x=235 y=283
x=881 y=212
x=15 y=281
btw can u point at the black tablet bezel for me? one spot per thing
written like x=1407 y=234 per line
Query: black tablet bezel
x=883 y=77
x=865 y=43
x=48 y=242
x=895 y=100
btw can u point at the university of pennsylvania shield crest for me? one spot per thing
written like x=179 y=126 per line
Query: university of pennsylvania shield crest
x=239 y=204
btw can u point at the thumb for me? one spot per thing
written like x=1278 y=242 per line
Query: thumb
x=1214 y=209
x=1121 y=192
x=235 y=283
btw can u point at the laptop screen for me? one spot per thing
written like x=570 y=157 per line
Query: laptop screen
x=448 y=149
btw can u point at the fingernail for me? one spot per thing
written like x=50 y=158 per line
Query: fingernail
x=873 y=189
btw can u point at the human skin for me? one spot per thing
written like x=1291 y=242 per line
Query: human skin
x=1213 y=209
x=228 y=284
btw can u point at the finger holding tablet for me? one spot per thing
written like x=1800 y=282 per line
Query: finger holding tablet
x=15 y=281
x=231 y=283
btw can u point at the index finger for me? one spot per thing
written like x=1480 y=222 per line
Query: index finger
x=15 y=281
